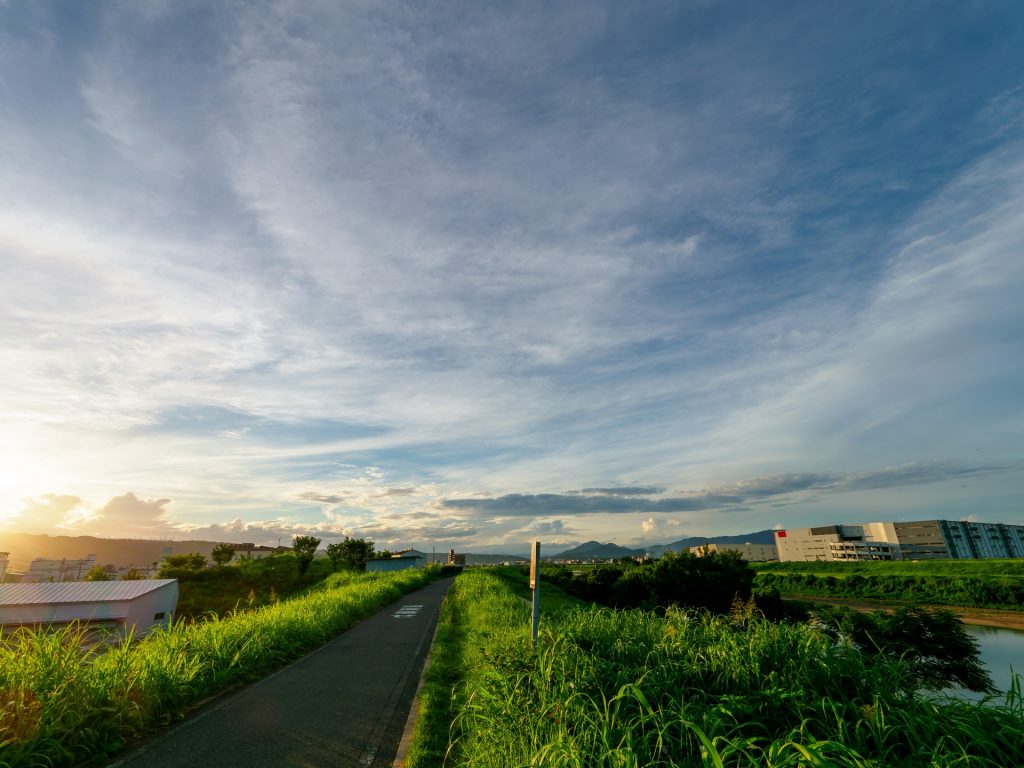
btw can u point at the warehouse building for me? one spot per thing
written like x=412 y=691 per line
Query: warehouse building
x=119 y=606
x=917 y=540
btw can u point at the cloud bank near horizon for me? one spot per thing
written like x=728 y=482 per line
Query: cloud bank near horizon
x=510 y=519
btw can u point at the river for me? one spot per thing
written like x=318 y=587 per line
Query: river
x=1000 y=649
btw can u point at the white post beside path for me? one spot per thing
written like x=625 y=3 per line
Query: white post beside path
x=535 y=586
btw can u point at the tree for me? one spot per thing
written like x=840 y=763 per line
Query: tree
x=931 y=643
x=133 y=574
x=711 y=582
x=351 y=552
x=97 y=574
x=175 y=566
x=222 y=553
x=304 y=548
x=336 y=554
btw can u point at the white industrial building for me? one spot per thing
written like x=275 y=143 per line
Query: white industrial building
x=121 y=606
x=752 y=553
x=916 y=540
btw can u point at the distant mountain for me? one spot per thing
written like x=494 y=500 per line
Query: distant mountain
x=595 y=550
x=23 y=547
x=142 y=552
x=766 y=536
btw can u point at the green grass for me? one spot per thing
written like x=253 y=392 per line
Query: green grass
x=473 y=600
x=627 y=688
x=64 y=702
x=973 y=584
x=245 y=585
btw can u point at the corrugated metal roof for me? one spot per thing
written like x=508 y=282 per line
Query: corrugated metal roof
x=78 y=591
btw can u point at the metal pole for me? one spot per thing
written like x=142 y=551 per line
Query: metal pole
x=535 y=586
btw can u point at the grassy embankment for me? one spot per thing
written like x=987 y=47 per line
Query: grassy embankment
x=245 y=585
x=630 y=689
x=997 y=584
x=66 y=703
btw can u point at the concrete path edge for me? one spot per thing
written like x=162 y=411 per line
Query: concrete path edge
x=414 y=710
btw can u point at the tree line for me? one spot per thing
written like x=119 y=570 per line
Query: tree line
x=712 y=582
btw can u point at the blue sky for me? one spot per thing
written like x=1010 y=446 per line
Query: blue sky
x=470 y=274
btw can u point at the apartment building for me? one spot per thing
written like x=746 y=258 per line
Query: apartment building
x=42 y=570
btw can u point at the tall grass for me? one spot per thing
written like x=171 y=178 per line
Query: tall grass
x=66 y=702
x=606 y=688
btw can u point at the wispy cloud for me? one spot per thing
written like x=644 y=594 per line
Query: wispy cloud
x=626 y=490
x=561 y=504
x=321 y=498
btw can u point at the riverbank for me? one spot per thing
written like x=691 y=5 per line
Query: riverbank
x=983 y=617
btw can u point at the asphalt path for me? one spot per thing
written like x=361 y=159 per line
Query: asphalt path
x=345 y=704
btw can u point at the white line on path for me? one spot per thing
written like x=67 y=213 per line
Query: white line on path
x=407 y=611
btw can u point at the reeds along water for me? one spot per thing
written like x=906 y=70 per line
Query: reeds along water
x=627 y=688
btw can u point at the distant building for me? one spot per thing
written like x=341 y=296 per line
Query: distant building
x=917 y=540
x=454 y=559
x=394 y=563
x=752 y=553
x=43 y=570
x=257 y=551
x=120 y=571
x=410 y=558
x=427 y=557
x=120 y=606
x=3 y=564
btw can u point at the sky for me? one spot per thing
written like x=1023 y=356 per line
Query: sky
x=465 y=275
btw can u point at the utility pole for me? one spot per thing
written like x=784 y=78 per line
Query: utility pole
x=535 y=586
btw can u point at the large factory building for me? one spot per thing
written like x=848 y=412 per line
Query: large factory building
x=919 y=540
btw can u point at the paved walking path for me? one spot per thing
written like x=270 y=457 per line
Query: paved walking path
x=343 y=705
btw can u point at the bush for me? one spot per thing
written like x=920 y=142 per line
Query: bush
x=711 y=582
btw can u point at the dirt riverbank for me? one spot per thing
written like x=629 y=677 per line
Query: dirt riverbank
x=985 y=617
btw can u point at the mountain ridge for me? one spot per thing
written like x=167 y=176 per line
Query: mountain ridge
x=23 y=547
x=595 y=550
